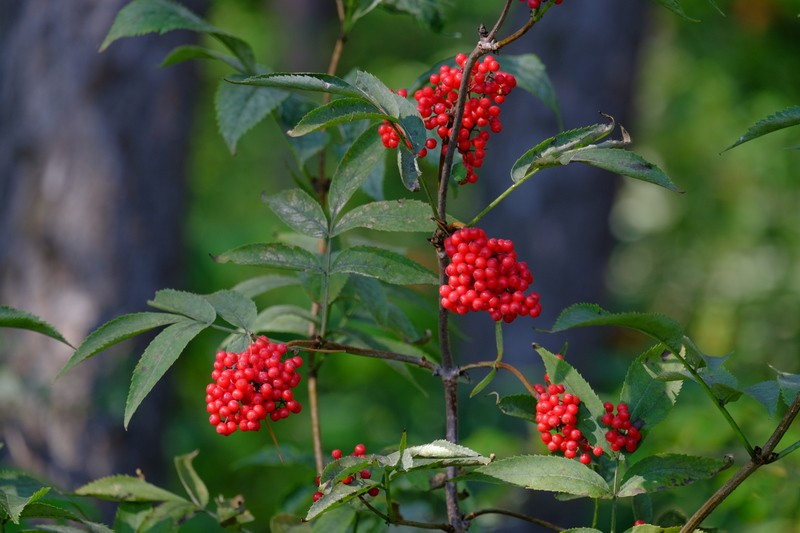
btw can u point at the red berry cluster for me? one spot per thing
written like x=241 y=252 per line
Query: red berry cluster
x=359 y=450
x=252 y=385
x=623 y=433
x=556 y=421
x=534 y=4
x=484 y=275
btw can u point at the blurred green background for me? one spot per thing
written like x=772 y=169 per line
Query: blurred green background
x=723 y=258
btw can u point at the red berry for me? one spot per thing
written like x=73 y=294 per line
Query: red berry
x=374 y=491
x=359 y=449
x=317 y=496
x=336 y=454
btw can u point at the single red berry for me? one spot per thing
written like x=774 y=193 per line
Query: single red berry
x=336 y=454
x=317 y=496
x=374 y=491
x=359 y=449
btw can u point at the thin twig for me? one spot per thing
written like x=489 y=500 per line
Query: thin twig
x=505 y=366
x=526 y=518
x=402 y=522
x=322 y=346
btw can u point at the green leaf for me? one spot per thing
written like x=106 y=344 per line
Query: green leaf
x=141 y=17
x=429 y=13
x=665 y=471
x=777 y=121
x=355 y=9
x=518 y=405
x=767 y=393
x=532 y=77
x=288 y=114
x=41 y=509
x=17 y=491
x=675 y=7
x=546 y=153
x=183 y=303
x=336 y=112
x=562 y=373
x=649 y=398
x=789 y=385
x=384 y=265
x=392 y=215
x=582 y=530
x=299 y=211
x=156 y=360
x=240 y=107
x=262 y=284
x=408 y=167
x=234 y=308
x=284 y=319
x=194 y=486
x=286 y=523
x=14 y=318
x=437 y=454
x=274 y=255
x=126 y=488
x=723 y=384
x=550 y=473
x=115 y=331
x=166 y=517
x=307 y=81
x=660 y=327
x=338 y=495
x=620 y=161
x=482 y=384
x=180 y=54
x=353 y=169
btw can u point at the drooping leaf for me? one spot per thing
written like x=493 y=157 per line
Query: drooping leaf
x=17 y=491
x=274 y=255
x=234 y=308
x=665 y=471
x=338 y=495
x=291 y=110
x=437 y=454
x=675 y=7
x=549 y=473
x=141 y=17
x=518 y=405
x=408 y=167
x=482 y=384
x=299 y=211
x=184 y=303
x=356 y=9
x=181 y=54
x=307 y=81
x=115 y=331
x=622 y=162
x=392 y=215
x=649 y=398
x=777 y=121
x=41 y=509
x=353 y=169
x=261 y=284
x=531 y=76
x=156 y=360
x=429 y=13
x=190 y=480
x=126 y=488
x=14 y=318
x=767 y=393
x=240 y=107
x=384 y=265
x=336 y=112
x=660 y=327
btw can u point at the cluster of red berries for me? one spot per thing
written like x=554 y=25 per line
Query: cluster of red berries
x=484 y=275
x=359 y=450
x=557 y=419
x=534 y=4
x=623 y=433
x=252 y=385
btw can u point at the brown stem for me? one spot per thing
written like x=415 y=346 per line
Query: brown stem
x=322 y=346
x=504 y=366
x=531 y=519
x=761 y=457
x=402 y=522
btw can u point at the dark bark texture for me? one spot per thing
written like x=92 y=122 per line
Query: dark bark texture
x=92 y=152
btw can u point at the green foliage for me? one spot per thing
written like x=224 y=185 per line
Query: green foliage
x=777 y=121
x=14 y=318
x=665 y=471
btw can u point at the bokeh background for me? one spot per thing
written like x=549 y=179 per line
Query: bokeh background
x=114 y=182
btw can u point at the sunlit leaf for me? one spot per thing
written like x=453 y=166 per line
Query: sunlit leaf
x=126 y=488
x=392 y=215
x=548 y=473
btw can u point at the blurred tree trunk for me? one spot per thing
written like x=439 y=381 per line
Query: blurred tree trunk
x=92 y=157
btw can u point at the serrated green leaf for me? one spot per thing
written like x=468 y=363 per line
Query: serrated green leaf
x=262 y=284
x=240 y=107
x=194 y=486
x=299 y=211
x=408 y=167
x=234 y=308
x=284 y=319
x=339 y=494
x=353 y=169
x=482 y=384
x=562 y=373
x=17 y=491
x=115 y=331
x=777 y=121
x=532 y=77
x=292 y=110
x=306 y=81
x=660 y=327
x=649 y=398
x=384 y=265
x=274 y=255
x=184 y=303
x=789 y=385
x=392 y=215
x=429 y=13
x=372 y=296
x=167 y=516
x=64 y=528
x=126 y=488
x=549 y=473
x=665 y=471
x=437 y=454
x=546 y=153
x=41 y=509
x=767 y=393
x=336 y=112
x=141 y=17
x=675 y=7
x=622 y=162
x=180 y=54
x=14 y=318
x=518 y=405
x=156 y=360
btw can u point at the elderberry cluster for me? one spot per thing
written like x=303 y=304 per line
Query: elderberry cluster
x=623 y=433
x=484 y=275
x=251 y=385
x=557 y=419
x=534 y=4
x=359 y=450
